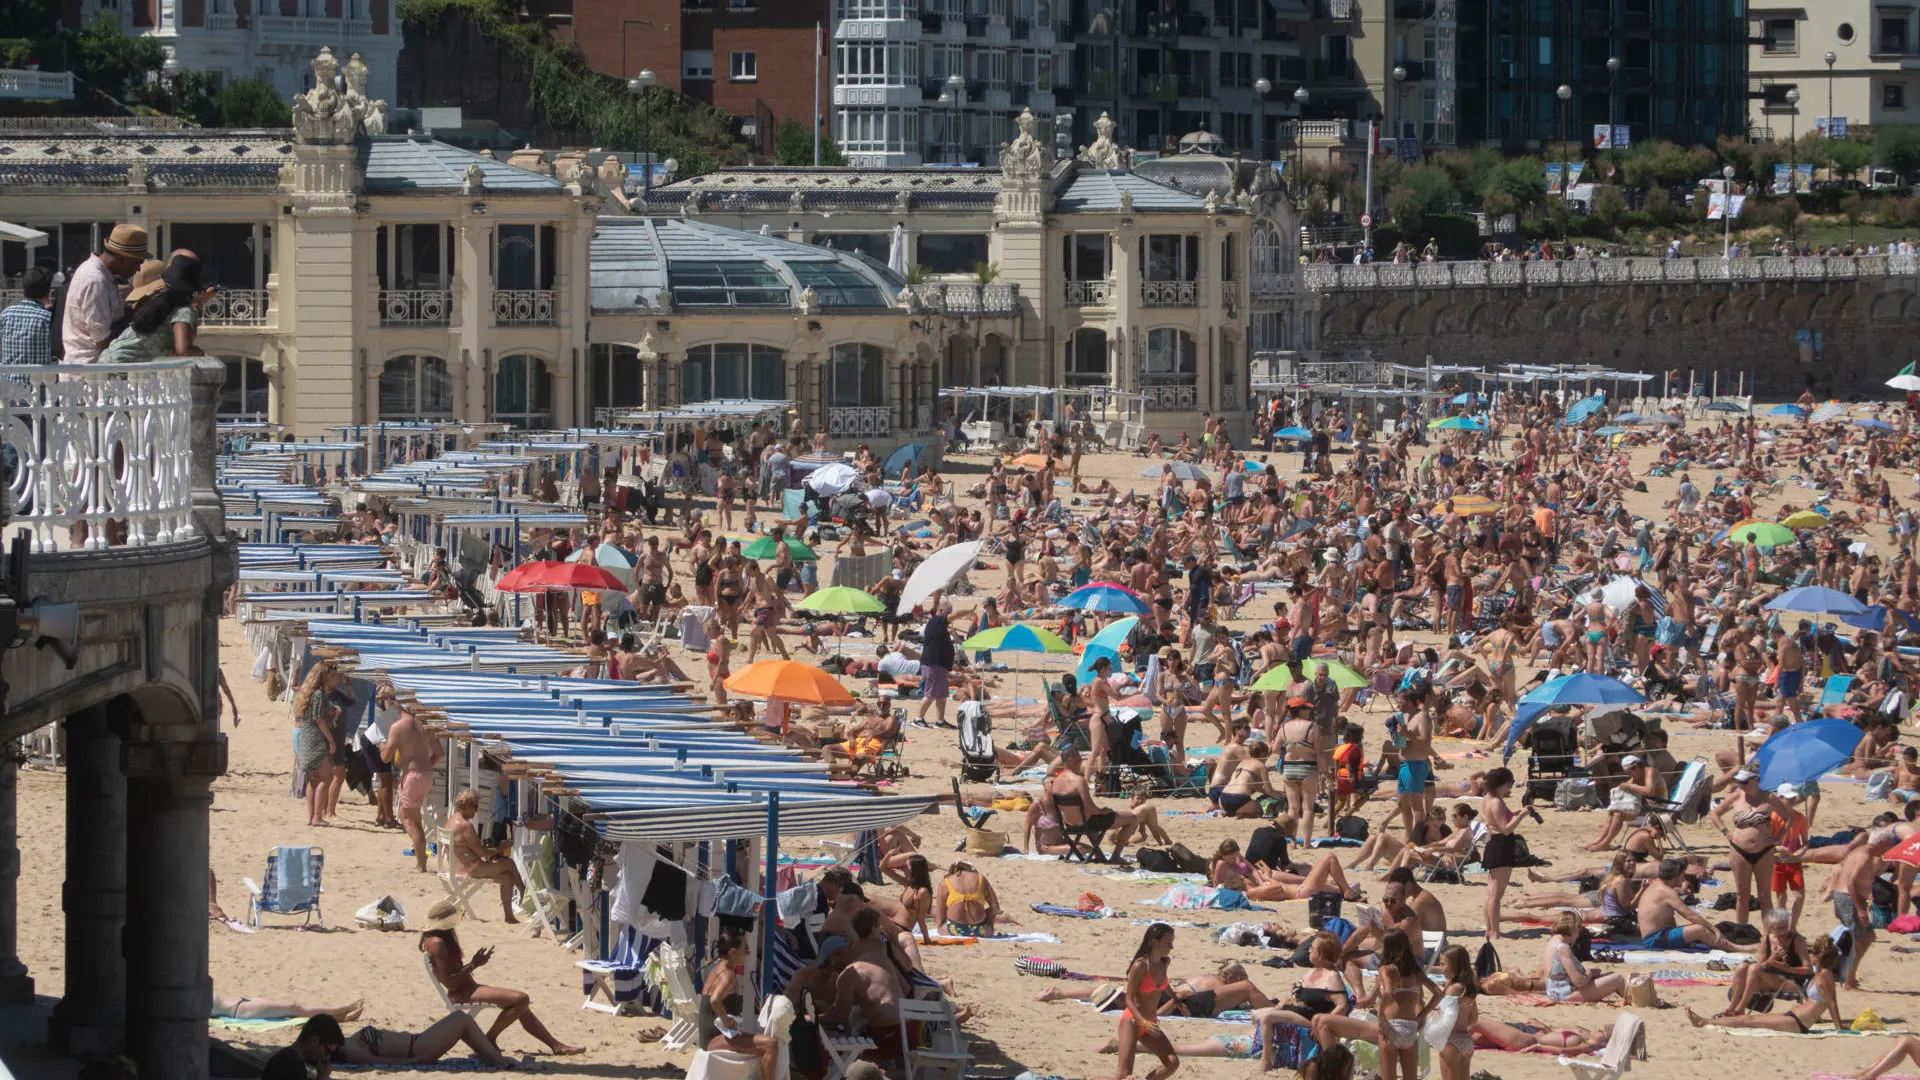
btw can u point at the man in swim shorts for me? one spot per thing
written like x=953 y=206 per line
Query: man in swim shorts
x=1415 y=739
x=413 y=753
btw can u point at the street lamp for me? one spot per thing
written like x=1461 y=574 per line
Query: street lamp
x=957 y=86
x=1830 y=58
x=1393 y=104
x=638 y=87
x=1726 y=213
x=1793 y=165
x=1300 y=99
x=1613 y=72
x=1565 y=94
x=1261 y=86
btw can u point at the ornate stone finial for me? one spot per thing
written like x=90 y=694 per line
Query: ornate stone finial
x=1103 y=152
x=321 y=116
x=474 y=180
x=903 y=200
x=374 y=120
x=531 y=160
x=1126 y=201
x=137 y=174
x=1213 y=202
x=797 y=202
x=1024 y=158
x=487 y=152
x=354 y=75
x=613 y=175
x=809 y=301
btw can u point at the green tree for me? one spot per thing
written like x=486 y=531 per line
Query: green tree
x=1658 y=207
x=1609 y=208
x=793 y=145
x=114 y=64
x=251 y=102
x=1898 y=146
x=1853 y=208
x=1849 y=156
x=1423 y=191
x=1785 y=212
x=1522 y=182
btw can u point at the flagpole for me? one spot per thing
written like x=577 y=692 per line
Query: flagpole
x=819 y=46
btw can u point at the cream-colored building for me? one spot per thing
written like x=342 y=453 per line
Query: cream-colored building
x=374 y=277
x=1873 y=78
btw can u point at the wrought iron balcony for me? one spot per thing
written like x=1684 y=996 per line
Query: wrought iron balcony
x=1091 y=293
x=524 y=307
x=235 y=307
x=1170 y=293
x=415 y=307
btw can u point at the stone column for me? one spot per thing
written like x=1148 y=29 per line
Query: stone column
x=16 y=986
x=168 y=992
x=91 y=1018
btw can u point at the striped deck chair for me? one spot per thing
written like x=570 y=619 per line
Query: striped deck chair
x=292 y=885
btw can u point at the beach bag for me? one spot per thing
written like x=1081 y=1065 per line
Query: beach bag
x=1738 y=933
x=1641 y=993
x=262 y=661
x=1575 y=794
x=1039 y=966
x=1157 y=860
x=1321 y=907
x=1439 y=1024
x=1351 y=827
x=1486 y=961
x=385 y=913
x=276 y=685
x=986 y=843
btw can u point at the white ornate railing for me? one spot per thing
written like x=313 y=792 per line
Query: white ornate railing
x=1328 y=277
x=1090 y=293
x=298 y=28
x=222 y=20
x=1168 y=395
x=38 y=85
x=109 y=446
x=359 y=27
x=1169 y=293
x=523 y=307
x=859 y=421
x=10 y=297
x=969 y=298
x=235 y=307
x=415 y=307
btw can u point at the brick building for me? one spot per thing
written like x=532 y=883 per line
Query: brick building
x=753 y=58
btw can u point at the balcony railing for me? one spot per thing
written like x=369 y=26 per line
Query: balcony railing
x=359 y=27
x=1091 y=293
x=235 y=307
x=1273 y=284
x=222 y=20
x=10 y=297
x=36 y=85
x=1332 y=277
x=967 y=298
x=107 y=446
x=415 y=307
x=859 y=421
x=524 y=307
x=1170 y=393
x=1169 y=293
x=297 y=28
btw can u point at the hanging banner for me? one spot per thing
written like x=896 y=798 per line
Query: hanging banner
x=1602 y=137
x=1573 y=174
x=1781 y=182
x=1716 y=206
x=1803 y=178
x=1553 y=178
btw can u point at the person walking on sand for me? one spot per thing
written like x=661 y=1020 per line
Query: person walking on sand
x=413 y=753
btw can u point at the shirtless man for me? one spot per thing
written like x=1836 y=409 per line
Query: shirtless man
x=1793 y=671
x=1144 y=818
x=1852 y=890
x=1661 y=908
x=656 y=572
x=473 y=859
x=1403 y=888
x=1415 y=743
x=874 y=989
x=413 y=754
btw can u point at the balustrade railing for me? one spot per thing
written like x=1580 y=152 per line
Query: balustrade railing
x=1175 y=393
x=235 y=307
x=415 y=307
x=523 y=307
x=1328 y=277
x=1090 y=293
x=101 y=453
x=969 y=298
x=1170 y=293
x=859 y=421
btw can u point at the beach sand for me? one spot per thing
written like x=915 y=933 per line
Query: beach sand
x=253 y=812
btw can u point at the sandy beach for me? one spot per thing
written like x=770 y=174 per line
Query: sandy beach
x=253 y=812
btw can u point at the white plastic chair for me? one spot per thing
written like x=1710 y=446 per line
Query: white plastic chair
x=682 y=999
x=946 y=1054
x=471 y=1008
x=460 y=890
x=1628 y=1041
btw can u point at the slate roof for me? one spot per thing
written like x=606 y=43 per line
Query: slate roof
x=1094 y=190
x=394 y=164
x=772 y=188
x=196 y=158
x=631 y=259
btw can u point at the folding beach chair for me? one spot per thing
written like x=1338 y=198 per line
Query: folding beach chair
x=842 y=1050
x=460 y=890
x=538 y=894
x=1074 y=826
x=944 y=1055
x=1689 y=800
x=471 y=1008
x=1628 y=1041
x=683 y=999
x=292 y=885
x=1834 y=691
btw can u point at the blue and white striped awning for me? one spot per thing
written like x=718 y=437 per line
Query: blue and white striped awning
x=750 y=819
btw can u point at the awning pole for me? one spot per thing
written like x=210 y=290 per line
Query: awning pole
x=769 y=911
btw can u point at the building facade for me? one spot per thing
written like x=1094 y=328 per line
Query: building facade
x=756 y=59
x=272 y=39
x=1853 y=59
x=1681 y=72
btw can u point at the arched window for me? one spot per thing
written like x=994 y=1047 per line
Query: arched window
x=523 y=392
x=243 y=392
x=733 y=371
x=1269 y=256
x=416 y=388
x=1087 y=358
x=854 y=376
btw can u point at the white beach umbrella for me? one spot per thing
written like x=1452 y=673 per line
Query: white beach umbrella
x=936 y=572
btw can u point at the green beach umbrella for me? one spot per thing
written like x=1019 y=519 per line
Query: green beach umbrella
x=1017 y=637
x=762 y=548
x=1763 y=533
x=1286 y=675
x=839 y=599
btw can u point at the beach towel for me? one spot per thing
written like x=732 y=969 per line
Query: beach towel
x=234 y=1023
x=1075 y=913
x=1191 y=897
x=1026 y=938
x=1828 y=1033
x=459 y=1064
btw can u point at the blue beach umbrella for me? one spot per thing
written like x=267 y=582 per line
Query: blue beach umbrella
x=1817 y=599
x=1457 y=423
x=1875 y=619
x=1631 y=418
x=1805 y=751
x=1610 y=430
x=1103 y=597
x=1580 y=688
x=1724 y=406
x=898 y=460
x=1182 y=470
x=1114 y=635
x=1786 y=410
x=1584 y=408
x=1873 y=425
x=1293 y=433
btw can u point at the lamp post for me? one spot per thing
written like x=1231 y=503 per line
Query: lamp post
x=946 y=133
x=1831 y=59
x=957 y=84
x=1565 y=94
x=1726 y=213
x=638 y=87
x=1393 y=104
x=1793 y=164
x=1613 y=95
x=1300 y=99
x=1261 y=86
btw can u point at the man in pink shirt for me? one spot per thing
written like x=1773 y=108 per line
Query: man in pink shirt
x=95 y=305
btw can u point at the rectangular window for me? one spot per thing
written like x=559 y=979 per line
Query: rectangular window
x=1893 y=96
x=743 y=66
x=616 y=377
x=1167 y=257
x=875 y=246
x=1893 y=33
x=1226 y=259
x=950 y=253
x=1085 y=255
x=1780 y=37
x=696 y=64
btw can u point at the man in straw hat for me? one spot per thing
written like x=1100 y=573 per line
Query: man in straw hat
x=95 y=306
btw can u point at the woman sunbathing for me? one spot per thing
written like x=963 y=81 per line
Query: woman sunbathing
x=1325 y=877
x=376 y=1046
x=1823 y=997
x=1535 y=1038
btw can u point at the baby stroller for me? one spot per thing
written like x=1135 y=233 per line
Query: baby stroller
x=979 y=761
x=1553 y=747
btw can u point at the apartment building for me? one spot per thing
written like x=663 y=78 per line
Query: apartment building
x=1854 y=59
x=1665 y=69
x=752 y=58
x=273 y=39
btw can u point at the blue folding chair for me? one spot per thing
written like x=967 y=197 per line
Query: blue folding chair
x=1834 y=690
x=292 y=885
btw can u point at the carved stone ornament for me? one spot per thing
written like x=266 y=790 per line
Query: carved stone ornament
x=1024 y=158
x=321 y=115
x=809 y=301
x=1213 y=202
x=1103 y=152
x=474 y=180
x=613 y=175
x=1126 y=202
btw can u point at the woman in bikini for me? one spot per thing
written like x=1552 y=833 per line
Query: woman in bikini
x=1745 y=818
x=1823 y=998
x=1501 y=852
x=1456 y=1057
x=1402 y=991
x=729 y=587
x=1613 y=898
x=1146 y=995
x=1172 y=692
x=375 y=1046
x=1300 y=763
x=455 y=973
x=1500 y=648
x=1566 y=979
x=721 y=1003
x=964 y=905
x=1747 y=665
x=917 y=895
x=1247 y=781
x=1534 y=1038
